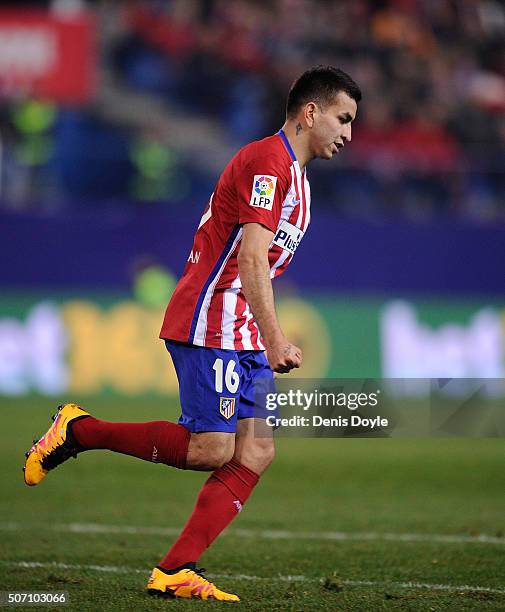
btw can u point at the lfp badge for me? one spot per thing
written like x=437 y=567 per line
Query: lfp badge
x=263 y=191
x=227 y=406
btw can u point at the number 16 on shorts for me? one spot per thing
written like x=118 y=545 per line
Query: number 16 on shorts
x=231 y=381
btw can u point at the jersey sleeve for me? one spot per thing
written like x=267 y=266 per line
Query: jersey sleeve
x=262 y=186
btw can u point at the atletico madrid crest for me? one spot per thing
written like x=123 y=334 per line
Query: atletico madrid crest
x=227 y=406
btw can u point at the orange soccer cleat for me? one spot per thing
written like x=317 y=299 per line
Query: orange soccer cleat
x=186 y=583
x=55 y=447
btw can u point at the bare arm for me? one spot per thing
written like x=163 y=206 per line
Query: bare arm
x=254 y=272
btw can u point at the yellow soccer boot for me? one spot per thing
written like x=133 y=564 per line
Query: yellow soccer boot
x=187 y=583
x=55 y=447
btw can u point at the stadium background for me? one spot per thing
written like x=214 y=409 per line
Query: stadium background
x=115 y=121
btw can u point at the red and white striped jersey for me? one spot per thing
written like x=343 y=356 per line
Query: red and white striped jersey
x=263 y=184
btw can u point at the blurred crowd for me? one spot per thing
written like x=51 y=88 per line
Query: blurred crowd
x=429 y=140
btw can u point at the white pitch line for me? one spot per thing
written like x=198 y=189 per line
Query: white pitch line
x=371 y=583
x=267 y=534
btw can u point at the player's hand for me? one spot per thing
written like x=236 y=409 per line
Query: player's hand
x=284 y=356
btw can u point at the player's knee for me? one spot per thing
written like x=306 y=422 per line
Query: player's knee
x=210 y=451
x=218 y=456
x=257 y=454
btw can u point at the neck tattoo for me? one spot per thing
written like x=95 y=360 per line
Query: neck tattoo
x=298 y=128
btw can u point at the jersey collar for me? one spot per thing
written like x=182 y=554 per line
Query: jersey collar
x=286 y=144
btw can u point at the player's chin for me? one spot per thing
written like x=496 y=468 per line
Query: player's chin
x=326 y=153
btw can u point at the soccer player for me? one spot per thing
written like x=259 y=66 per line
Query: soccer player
x=222 y=332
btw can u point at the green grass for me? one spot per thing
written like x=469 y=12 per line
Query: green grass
x=452 y=486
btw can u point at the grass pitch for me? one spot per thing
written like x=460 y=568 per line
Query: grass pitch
x=333 y=525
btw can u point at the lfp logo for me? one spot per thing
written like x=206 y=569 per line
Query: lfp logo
x=263 y=191
x=264 y=186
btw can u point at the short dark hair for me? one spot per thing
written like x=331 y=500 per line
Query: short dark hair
x=320 y=84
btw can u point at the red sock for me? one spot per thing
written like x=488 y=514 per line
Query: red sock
x=156 y=441
x=219 y=502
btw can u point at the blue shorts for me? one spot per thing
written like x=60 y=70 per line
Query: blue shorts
x=217 y=387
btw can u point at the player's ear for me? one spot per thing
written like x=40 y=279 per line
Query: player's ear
x=309 y=110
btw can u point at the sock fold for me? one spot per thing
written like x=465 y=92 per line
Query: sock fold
x=237 y=478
